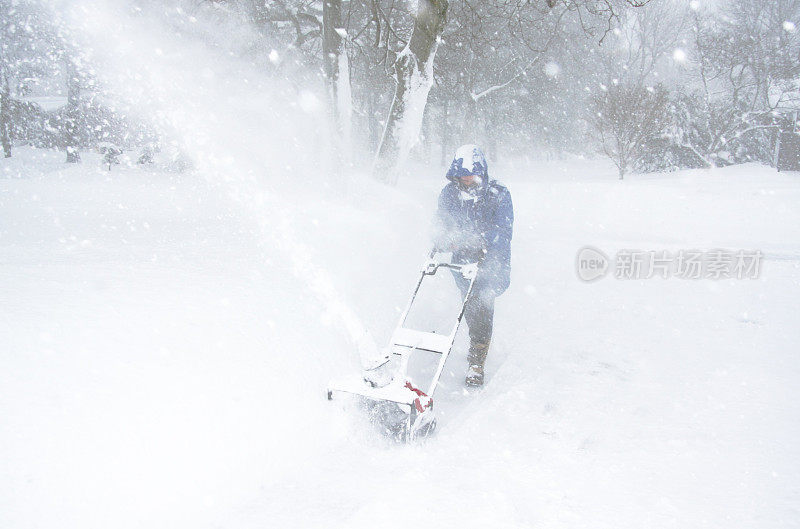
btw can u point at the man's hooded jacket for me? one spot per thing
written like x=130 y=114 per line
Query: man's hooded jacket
x=476 y=224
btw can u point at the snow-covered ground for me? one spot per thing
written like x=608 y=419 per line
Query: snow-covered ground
x=165 y=347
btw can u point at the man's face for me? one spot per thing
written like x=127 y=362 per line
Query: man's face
x=469 y=180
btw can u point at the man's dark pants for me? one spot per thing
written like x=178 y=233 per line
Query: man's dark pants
x=479 y=315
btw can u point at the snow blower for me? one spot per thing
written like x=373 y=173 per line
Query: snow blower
x=392 y=401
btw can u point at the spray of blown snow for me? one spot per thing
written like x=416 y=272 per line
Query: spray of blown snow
x=244 y=129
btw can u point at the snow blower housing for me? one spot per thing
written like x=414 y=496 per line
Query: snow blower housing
x=392 y=400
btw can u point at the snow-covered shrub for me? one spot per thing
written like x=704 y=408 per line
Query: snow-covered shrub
x=719 y=132
x=703 y=133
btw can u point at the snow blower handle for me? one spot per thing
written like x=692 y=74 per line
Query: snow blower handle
x=432 y=265
x=431 y=261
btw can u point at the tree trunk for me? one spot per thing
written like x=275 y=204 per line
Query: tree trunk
x=337 y=75
x=469 y=130
x=490 y=134
x=5 y=115
x=72 y=115
x=426 y=137
x=445 y=135
x=414 y=78
x=373 y=121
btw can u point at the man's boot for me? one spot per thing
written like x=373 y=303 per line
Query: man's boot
x=476 y=357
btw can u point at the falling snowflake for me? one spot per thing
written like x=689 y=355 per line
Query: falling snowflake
x=552 y=69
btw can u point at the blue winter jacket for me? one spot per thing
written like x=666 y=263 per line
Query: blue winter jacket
x=468 y=225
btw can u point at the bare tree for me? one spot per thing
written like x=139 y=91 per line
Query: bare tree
x=5 y=112
x=499 y=78
x=643 y=44
x=745 y=66
x=25 y=51
x=414 y=78
x=337 y=71
x=626 y=119
x=73 y=114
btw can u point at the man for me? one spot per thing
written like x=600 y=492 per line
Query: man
x=474 y=221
